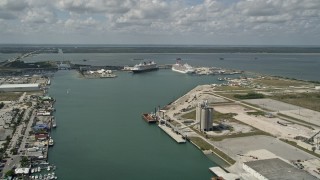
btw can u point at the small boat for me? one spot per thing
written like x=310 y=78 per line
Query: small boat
x=54 y=124
x=50 y=142
x=40 y=176
x=220 y=79
x=39 y=169
x=36 y=177
x=48 y=168
x=32 y=170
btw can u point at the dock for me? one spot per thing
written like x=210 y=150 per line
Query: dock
x=177 y=137
x=221 y=173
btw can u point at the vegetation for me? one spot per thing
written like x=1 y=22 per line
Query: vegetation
x=251 y=95
x=230 y=88
x=9 y=173
x=203 y=145
x=22 y=64
x=9 y=96
x=295 y=120
x=256 y=113
x=279 y=82
x=253 y=133
x=190 y=115
x=1 y=105
x=217 y=117
x=292 y=143
x=306 y=100
x=24 y=162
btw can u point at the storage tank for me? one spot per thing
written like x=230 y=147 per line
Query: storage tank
x=203 y=123
x=209 y=117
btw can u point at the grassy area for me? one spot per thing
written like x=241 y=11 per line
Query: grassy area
x=217 y=117
x=257 y=113
x=10 y=96
x=298 y=120
x=292 y=143
x=206 y=146
x=230 y=88
x=253 y=133
x=251 y=95
x=227 y=95
x=306 y=100
x=190 y=115
x=175 y=123
x=279 y=82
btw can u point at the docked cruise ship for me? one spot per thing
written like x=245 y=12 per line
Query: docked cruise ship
x=144 y=67
x=182 y=68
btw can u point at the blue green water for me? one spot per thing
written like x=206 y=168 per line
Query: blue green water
x=292 y=65
x=100 y=133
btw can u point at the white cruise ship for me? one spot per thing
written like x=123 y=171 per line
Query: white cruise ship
x=144 y=67
x=182 y=68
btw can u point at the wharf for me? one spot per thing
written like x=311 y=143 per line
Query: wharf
x=177 y=137
x=221 y=173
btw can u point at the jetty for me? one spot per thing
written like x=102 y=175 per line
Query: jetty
x=222 y=173
x=177 y=137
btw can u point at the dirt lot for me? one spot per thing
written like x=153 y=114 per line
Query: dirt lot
x=297 y=112
x=266 y=124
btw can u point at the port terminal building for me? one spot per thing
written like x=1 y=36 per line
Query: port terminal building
x=275 y=169
x=19 y=87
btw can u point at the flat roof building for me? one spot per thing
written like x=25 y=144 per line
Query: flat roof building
x=19 y=87
x=275 y=169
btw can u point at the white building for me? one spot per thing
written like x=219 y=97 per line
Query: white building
x=19 y=87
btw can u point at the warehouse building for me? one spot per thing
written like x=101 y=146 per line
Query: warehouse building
x=275 y=169
x=19 y=87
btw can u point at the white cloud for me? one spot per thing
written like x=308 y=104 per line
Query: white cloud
x=208 y=20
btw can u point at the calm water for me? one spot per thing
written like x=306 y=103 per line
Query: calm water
x=101 y=135
x=300 y=66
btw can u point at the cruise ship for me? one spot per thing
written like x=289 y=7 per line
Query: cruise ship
x=182 y=68
x=144 y=67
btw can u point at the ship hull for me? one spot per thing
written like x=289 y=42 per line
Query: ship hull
x=144 y=70
x=181 y=71
x=148 y=118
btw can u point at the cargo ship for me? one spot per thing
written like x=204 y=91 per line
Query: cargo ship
x=150 y=118
x=182 y=68
x=145 y=67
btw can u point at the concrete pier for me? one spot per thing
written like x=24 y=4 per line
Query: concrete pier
x=221 y=173
x=177 y=137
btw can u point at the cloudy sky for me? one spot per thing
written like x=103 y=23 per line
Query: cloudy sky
x=216 y=22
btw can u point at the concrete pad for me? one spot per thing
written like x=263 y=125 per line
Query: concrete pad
x=243 y=145
x=272 y=105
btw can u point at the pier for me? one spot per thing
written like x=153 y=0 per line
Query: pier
x=177 y=137
x=221 y=173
